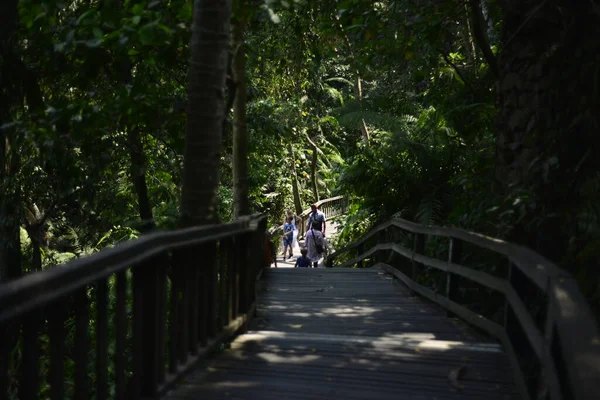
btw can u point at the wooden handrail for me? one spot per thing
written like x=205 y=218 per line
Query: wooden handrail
x=570 y=325
x=211 y=272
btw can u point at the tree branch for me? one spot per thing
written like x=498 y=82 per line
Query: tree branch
x=481 y=38
x=460 y=75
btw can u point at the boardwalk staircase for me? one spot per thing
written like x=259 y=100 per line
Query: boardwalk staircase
x=391 y=318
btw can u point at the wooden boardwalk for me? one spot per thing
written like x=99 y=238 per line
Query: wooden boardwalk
x=349 y=334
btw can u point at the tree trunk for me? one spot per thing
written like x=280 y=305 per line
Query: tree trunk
x=10 y=198
x=358 y=93
x=135 y=146
x=295 y=184
x=208 y=65
x=466 y=31
x=313 y=171
x=548 y=115
x=35 y=223
x=241 y=202
x=138 y=177
x=480 y=36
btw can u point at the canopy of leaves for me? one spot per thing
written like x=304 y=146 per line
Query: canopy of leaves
x=323 y=76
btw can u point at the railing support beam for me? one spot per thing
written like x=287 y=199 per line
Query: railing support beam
x=454 y=255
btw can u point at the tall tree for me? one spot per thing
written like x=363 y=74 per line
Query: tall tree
x=208 y=67
x=548 y=117
x=241 y=202
x=295 y=184
x=10 y=245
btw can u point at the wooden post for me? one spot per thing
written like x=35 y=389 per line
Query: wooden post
x=243 y=265
x=506 y=303
x=101 y=339
x=30 y=348
x=260 y=248
x=329 y=262
x=57 y=332
x=147 y=290
x=82 y=346
x=360 y=251
x=121 y=337
x=454 y=254
x=381 y=240
x=419 y=248
x=212 y=290
x=222 y=318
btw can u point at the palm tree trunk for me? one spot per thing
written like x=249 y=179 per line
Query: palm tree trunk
x=208 y=67
x=359 y=97
x=241 y=202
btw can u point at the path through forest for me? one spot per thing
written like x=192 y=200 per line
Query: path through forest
x=331 y=231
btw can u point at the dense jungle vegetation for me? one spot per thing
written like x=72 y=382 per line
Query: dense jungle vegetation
x=481 y=114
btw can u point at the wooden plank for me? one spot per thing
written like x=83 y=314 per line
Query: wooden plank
x=101 y=340
x=475 y=319
x=82 y=345
x=120 y=336
x=212 y=295
x=137 y=343
x=533 y=334
x=57 y=333
x=30 y=363
x=174 y=311
x=376 y=348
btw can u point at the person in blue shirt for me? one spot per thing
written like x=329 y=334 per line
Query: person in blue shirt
x=302 y=261
x=288 y=232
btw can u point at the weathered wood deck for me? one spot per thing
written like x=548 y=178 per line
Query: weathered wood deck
x=352 y=334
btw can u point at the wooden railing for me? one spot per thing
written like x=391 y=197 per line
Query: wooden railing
x=331 y=207
x=565 y=342
x=127 y=322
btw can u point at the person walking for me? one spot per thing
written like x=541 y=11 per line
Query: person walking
x=295 y=221
x=303 y=261
x=315 y=244
x=316 y=216
x=288 y=230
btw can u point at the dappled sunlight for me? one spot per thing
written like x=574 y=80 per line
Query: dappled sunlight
x=279 y=359
x=345 y=312
x=567 y=308
x=234 y=385
x=351 y=333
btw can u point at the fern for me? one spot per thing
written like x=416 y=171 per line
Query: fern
x=429 y=211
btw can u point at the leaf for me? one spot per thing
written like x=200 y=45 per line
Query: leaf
x=274 y=17
x=94 y=42
x=146 y=35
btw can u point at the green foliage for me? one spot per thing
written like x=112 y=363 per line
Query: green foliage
x=318 y=73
